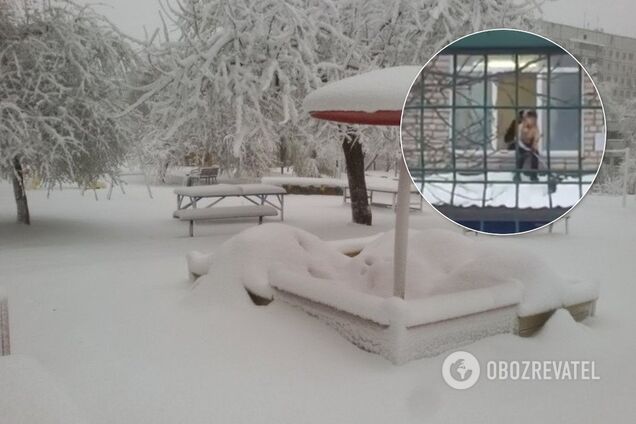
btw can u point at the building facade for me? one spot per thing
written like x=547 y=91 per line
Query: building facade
x=610 y=58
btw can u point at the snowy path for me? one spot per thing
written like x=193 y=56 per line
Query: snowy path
x=99 y=295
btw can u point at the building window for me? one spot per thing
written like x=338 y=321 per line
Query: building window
x=477 y=96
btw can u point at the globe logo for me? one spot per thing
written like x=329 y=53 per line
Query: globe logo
x=460 y=370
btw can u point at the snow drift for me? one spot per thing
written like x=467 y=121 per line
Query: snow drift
x=459 y=290
x=439 y=262
x=248 y=256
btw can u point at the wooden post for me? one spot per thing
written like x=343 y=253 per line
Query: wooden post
x=5 y=347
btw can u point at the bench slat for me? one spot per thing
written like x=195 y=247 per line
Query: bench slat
x=226 y=212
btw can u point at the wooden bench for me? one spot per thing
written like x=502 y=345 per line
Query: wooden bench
x=202 y=176
x=225 y=212
x=386 y=188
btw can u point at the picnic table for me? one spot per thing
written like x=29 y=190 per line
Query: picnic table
x=257 y=194
x=265 y=199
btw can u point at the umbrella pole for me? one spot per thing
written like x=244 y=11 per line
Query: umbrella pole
x=401 y=231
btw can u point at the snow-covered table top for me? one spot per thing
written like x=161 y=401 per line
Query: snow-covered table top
x=305 y=181
x=250 y=189
x=218 y=190
x=209 y=190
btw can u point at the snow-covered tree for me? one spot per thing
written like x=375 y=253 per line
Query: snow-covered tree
x=63 y=71
x=233 y=81
x=621 y=121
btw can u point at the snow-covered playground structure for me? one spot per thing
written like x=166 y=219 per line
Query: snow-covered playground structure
x=458 y=289
x=447 y=290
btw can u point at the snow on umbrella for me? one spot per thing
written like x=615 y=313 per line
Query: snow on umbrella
x=374 y=98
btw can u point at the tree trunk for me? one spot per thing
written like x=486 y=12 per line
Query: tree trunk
x=282 y=153
x=163 y=171
x=354 y=160
x=20 y=193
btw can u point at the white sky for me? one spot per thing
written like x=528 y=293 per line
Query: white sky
x=614 y=16
x=130 y=15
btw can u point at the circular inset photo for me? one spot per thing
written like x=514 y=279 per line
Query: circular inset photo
x=503 y=131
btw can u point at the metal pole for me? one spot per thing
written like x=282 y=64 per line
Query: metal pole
x=486 y=134
x=401 y=232
x=580 y=133
x=5 y=347
x=625 y=175
x=454 y=130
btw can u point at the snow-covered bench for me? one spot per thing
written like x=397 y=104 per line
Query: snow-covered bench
x=247 y=211
x=202 y=176
x=386 y=187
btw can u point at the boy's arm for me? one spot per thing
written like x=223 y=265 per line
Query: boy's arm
x=535 y=141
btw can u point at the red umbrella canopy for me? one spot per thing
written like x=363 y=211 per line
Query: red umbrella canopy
x=372 y=98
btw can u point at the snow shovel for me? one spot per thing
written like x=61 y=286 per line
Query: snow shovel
x=553 y=180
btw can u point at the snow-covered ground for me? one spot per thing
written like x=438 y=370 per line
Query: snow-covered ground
x=472 y=190
x=99 y=296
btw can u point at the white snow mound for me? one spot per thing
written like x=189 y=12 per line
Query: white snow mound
x=249 y=255
x=439 y=262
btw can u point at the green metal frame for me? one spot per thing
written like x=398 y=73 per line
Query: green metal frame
x=420 y=173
